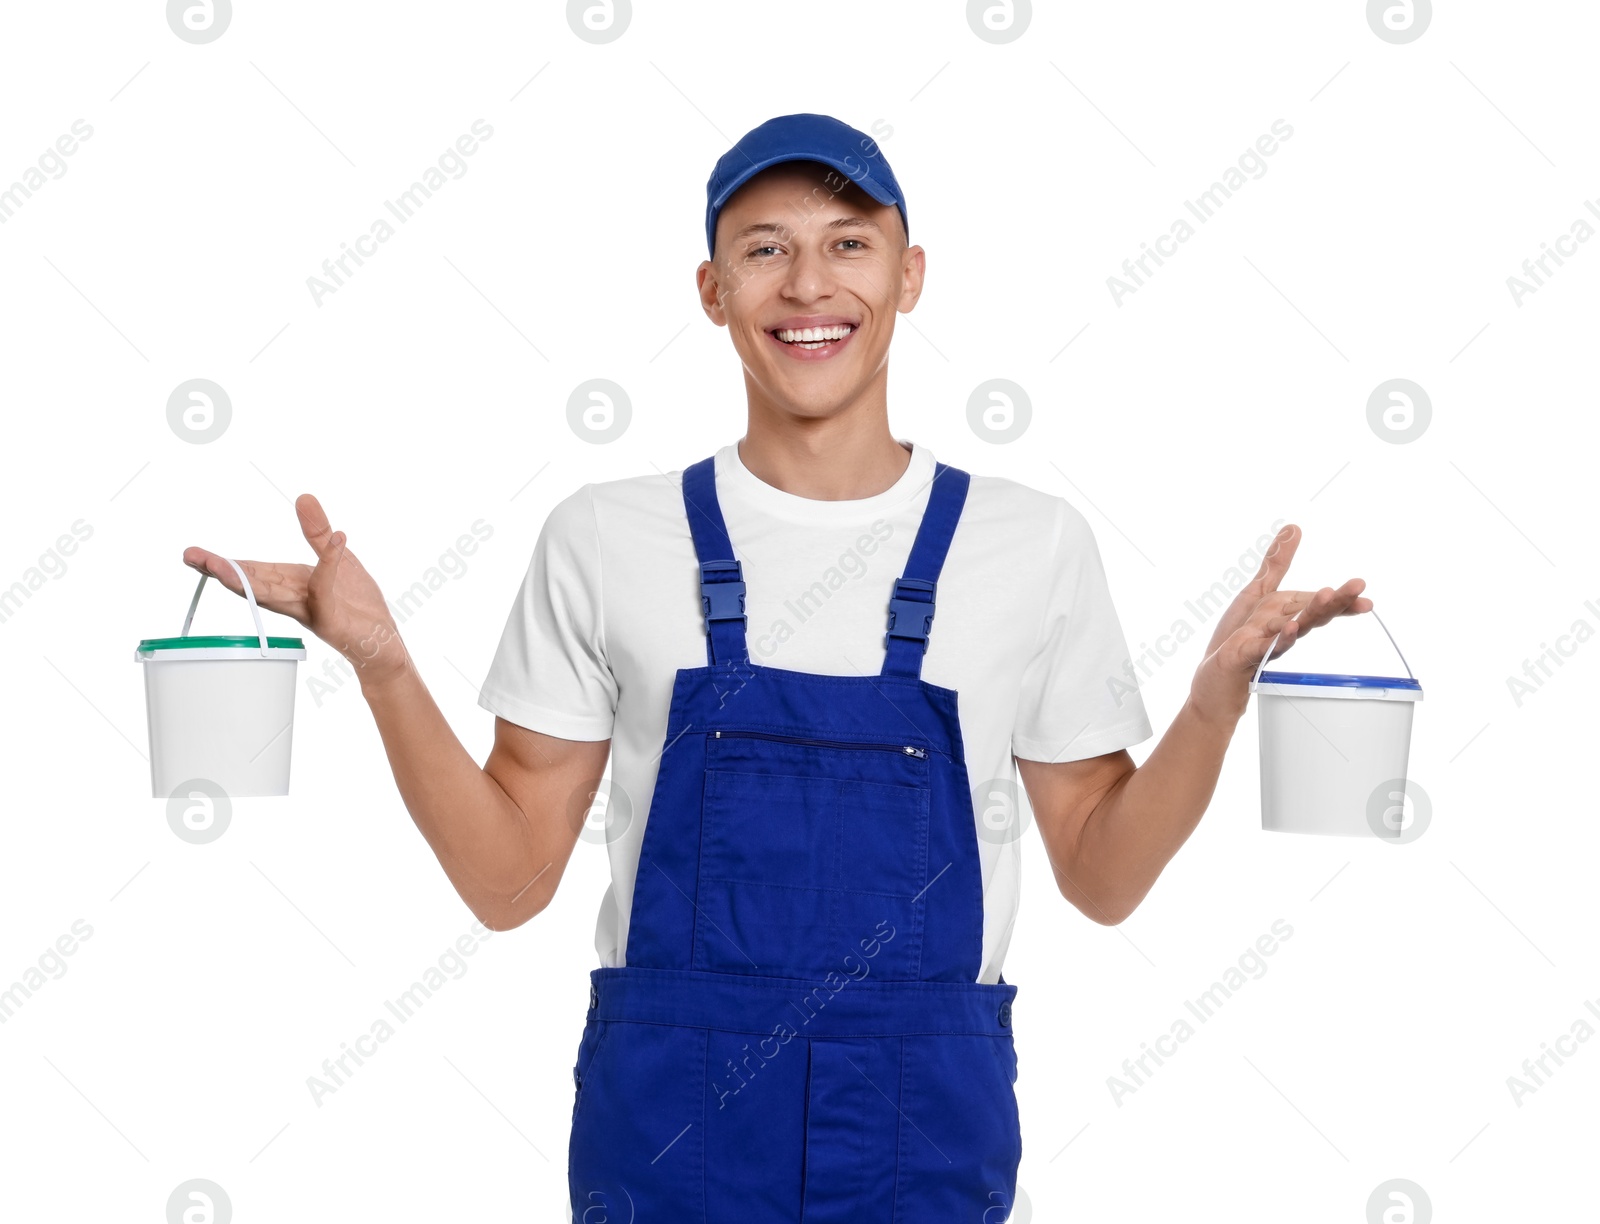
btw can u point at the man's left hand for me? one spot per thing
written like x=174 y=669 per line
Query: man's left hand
x=1221 y=689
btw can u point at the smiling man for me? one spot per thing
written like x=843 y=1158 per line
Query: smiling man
x=817 y=661
x=801 y=1013
x=810 y=355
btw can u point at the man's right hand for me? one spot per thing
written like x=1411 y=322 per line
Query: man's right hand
x=336 y=599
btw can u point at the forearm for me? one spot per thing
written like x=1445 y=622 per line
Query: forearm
x=479 y=835
x=1141 y=819
x=1141 y=822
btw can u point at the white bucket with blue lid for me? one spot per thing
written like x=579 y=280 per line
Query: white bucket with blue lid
x=1335 y=749
x=221 y=708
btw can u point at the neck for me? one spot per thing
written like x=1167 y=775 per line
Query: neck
x=845 y=456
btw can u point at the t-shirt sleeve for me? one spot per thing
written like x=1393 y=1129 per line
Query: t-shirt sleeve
x=550 y=671
x=1077 y=698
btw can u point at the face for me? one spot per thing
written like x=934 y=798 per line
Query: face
x=800 y=247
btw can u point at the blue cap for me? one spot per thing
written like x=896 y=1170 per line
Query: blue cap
x=818 y=138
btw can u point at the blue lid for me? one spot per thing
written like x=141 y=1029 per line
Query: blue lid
x=1336 y=680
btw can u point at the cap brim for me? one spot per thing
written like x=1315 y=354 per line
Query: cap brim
x=877 y=191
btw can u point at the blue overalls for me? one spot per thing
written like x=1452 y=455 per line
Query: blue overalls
x=798 y=1035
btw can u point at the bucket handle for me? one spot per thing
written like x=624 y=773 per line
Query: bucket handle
x=1256 y=679
x=249 y=595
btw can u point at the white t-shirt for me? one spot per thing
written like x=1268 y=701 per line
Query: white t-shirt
x=1024 y=630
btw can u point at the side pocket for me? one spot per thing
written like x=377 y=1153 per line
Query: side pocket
x=642 y=1079
x=594 y=1036
x=1009 y=1061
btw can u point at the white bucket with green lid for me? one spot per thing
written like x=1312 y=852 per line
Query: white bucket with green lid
x=221 y=709
x=1335 y=749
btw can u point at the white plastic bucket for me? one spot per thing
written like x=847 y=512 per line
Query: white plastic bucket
x=1335 y=749
x=221 y=709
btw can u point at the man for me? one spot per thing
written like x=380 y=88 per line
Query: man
x=800 y=1012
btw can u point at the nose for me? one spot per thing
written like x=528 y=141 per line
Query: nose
x=810 y=275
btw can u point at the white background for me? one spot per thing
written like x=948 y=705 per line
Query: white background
x=431 y=391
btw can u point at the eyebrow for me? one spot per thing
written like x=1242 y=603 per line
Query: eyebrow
x=774 y=227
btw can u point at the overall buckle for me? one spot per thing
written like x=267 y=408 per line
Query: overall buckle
x=724 y=600
x=910 y=618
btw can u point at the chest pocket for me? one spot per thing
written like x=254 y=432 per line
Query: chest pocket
x=813 y=857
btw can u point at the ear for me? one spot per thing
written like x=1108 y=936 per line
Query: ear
x=913 y=270
x=708 y=284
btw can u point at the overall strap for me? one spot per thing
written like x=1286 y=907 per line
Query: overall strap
x=721 y=575
x=911 y=604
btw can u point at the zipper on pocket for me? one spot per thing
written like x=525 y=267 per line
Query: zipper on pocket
x=903 y=749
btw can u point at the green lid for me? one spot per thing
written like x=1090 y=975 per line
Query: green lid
x=201 y=643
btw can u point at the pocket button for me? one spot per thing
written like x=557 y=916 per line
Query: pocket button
x=1005 y=1015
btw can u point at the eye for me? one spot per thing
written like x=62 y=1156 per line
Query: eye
x=758 y=250
x=857 y=241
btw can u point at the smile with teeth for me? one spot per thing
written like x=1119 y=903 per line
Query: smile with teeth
x=813 y=337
